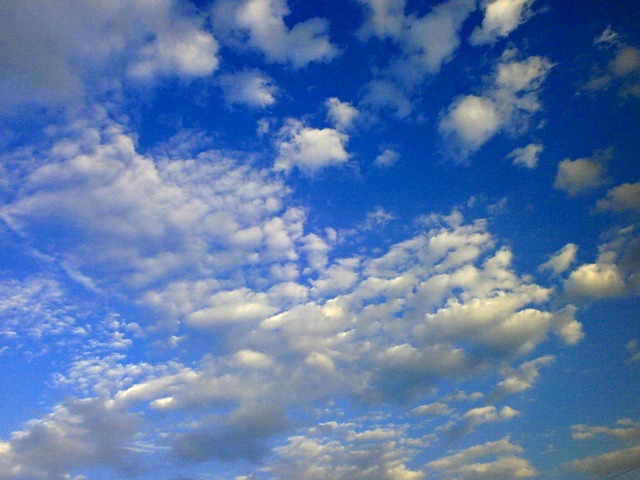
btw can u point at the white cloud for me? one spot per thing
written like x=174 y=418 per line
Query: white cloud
x=261 y=24
x=387 y=158
x=504 y=464
x=582 y=175
x=501 y=17
x=248 y=87
x=633 y=349
x=625 y=197
x=381 y=94
x=339 y=451
x=433 y=38
x=623 y=69
x=384 y=20
x=626 y=429
x=477 y=416
x=341 y=114
x=472 y=120
x=309 y=149
x=78 y=432
x=527 y=156
x=436 y=408
x=524 y=377
x=595 y=280
x=68 y=42
x=561 y=260
x=426 y=43
x=608 y=464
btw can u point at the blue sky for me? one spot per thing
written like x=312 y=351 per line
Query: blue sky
x=284 y=239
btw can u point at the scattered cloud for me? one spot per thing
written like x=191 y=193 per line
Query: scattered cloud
x=622 y=71
x=524 y=377
x=512 y=97
x=626 y=429
x=68 y=43
x=309 y=149
x=613 y=463
x=252 y=88
x=260 y=24
x=77 y=432
x=560 y=261
x=595 y=280
x=501 y=17
x=501 y=462
x=387 y=158
x=633 y=349
x=528 y=156
x=625 y=197
x=584 y=174
x=341 y=114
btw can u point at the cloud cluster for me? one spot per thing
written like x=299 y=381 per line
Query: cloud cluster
x=49 y=51
x=501 y=17
x=612 y=463
x=506 y=104
x=622 y=72
x=260 y=25
x=584 y=174
x=501 y=461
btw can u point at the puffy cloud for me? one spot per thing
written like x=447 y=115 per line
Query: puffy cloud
x=505 y=463
x=433 y=38
x=309 y=149
x=387 y=158
x=477 y=416
x=595 y=280
x=471 y=120
x=613 y=463
x=527 y=156
x=70 y=41
x=261 y=23
x=582 y=175
x=436 y=408
x=561 y=260
x=633 y=349
x=626 y=429
x=248 y=87
x=385 y=18
x=384 y=94
x=522 y=378
x=622 y=70
x=148 y=219
x=341 y=114
x=625 y=197
x=426 y=42
x=501 y=17
x=76 y=433
x=338 y=451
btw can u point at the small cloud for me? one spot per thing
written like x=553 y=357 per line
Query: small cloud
x=386 y=159
x=309 y=149
x=633 y=349
x=252 y=88
x=608 y=464
x=595 y=280
x=625 y=197
x=501 y=17
x=341 y=114
x=437 y=408
x=261 y=25
x=560 y=261
x=584 y=174
x=528 y=156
